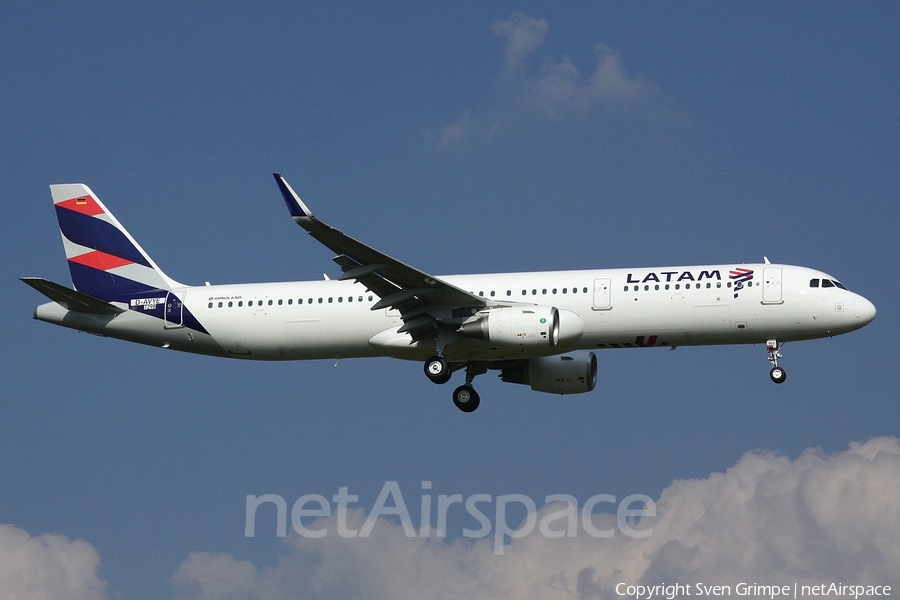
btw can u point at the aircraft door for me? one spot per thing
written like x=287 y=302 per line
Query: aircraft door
x=174 y=310
x=602 y=293
x=772 y=285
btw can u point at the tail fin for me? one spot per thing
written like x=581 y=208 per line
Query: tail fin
x=105 y=261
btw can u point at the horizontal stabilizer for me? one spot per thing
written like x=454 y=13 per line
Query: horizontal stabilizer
x=71 y=299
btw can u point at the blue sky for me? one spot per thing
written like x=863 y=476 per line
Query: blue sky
x=473 y=137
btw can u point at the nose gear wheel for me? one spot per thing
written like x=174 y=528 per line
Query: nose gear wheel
x=777 y=374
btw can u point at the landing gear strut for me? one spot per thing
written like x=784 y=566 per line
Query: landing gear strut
x=777 y=374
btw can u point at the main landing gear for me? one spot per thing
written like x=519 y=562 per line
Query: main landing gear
x=438 y=370
x=465 y=397
x=777 y=374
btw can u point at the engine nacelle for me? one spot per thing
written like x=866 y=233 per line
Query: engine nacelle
x=518 y=326
x=570 y=373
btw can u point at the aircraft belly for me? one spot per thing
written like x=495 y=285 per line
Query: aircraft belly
x=298 y=335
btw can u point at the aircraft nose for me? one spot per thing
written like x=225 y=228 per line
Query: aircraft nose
x=864 y=311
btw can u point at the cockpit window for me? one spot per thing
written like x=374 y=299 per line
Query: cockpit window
x=826 y=283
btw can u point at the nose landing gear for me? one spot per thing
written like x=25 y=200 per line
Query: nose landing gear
x=777 y=374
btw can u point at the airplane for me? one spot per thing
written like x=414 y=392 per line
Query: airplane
x=536 y=328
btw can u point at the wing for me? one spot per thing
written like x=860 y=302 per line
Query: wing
x=424 y=302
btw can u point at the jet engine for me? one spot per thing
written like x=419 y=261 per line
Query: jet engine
x=570 y=373
x=523 y=326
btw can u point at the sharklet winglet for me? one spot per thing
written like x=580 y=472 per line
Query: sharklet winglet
x=294 y=203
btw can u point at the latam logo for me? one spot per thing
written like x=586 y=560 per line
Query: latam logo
x=740 y=277
x=669 y=276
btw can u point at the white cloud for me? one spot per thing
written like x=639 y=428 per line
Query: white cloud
x=556 y=86
x=559 y=87
x=768 y=519
x=455 y=132
x=48 y=567
x=523 y=35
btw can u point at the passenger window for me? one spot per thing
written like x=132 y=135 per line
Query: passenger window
x=290 y=301
x=585 y=290
x=210 y=305
x=280 y=302
x=220 y=305
x=813 y=283
x=230 y=304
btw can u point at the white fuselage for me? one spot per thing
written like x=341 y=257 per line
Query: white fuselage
x=641 y=307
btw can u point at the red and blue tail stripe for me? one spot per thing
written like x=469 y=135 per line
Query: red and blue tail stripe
x=109 y=265
x=104 y=260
